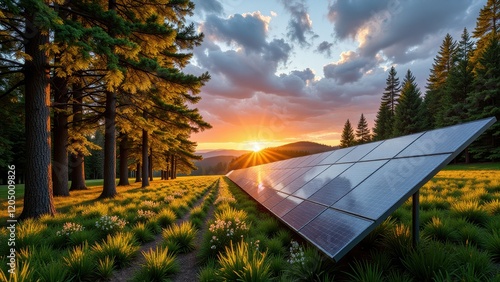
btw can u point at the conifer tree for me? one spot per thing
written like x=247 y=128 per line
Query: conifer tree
x=392 y=90
x=435 y=96
x=383 y=123
x=487 y=26
x=484 y=101
x=410 y=116
x=362 y=132
x=347 y=138
x=459 y=84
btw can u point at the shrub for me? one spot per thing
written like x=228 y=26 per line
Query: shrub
x=365 y=271
x=121 y=247
x=159 y=265
x=144 y=215
x=426 y=261
x=243 y=263
x=110 y=224
x=471 y=211
x=105 y=267
x=142 y=233
x=223 y=232
x=398 y=242
x=182 y=237
x=437 y=230
x=474 y=262
x=166 y=217
x=80 y=263
x=23 y=273
x=231 y=214
x=52 y=272
x=30 y=233
x=492 y=244
x=274 y=246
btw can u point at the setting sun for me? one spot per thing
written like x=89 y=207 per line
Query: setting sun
x=256 y=146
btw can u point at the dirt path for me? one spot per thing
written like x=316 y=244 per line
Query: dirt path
x=188 y=269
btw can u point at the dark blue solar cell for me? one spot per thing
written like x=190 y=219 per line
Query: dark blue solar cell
x=391 y=147
x=302 y=214
x=333 y=231
x=274 y=200
x=321 y=180
x=285 y=206
x=391 y=184
x=335 y=156
x=308 y=175
x=345 y=182
x=359 y=152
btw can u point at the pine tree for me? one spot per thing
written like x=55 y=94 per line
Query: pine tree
x=392 y=90
x=383 y=123
x=487 y=26
x=362 y=132
x=436 y=83
x=347 y=138
x=458 y=85
x=410 y=116
x=484 y=101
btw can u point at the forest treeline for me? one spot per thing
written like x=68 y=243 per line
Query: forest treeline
x=104 y=77
x=463 y=85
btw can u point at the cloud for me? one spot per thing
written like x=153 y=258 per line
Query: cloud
x=325 y=47
x=208 y=6
x=300 y=24
x=229 y=30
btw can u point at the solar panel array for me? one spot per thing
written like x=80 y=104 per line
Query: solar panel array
x=334 y=199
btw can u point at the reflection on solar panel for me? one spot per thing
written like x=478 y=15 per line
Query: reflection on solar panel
x=335 y=199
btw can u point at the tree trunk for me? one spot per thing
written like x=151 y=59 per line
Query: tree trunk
x=150 y=164
x=77 y=163
x=172 y=166
x=38 y=197
x=138 y=173
x=124 y=152
x=145 y=161
x=109 y=187
x=60 y=137
x=167 y=171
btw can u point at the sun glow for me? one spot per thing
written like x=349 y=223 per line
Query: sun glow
x=256 y=147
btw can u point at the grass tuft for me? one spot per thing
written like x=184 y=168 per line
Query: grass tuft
x=121 y=247
x=181 y=236
x=159 y=265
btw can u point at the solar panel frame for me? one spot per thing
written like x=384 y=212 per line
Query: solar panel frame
x=410 y=148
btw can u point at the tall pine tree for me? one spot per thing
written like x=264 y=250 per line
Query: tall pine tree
x=392 y=90
x=484 y=101
x=384 y=121
x=410 y=114
x=436 y=82
x=459 y=84
x=487 y=26
x=347 y=138
x=362 y=132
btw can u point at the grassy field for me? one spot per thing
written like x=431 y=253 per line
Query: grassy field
x=459 y=228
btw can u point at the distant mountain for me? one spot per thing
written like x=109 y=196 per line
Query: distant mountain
x=215 y=153
x=306 y=146
x=284 y=152
x=212 y=165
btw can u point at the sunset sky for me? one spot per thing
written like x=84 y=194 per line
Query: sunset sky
x=287 y=71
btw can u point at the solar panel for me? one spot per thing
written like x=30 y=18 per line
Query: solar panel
x=334 y=199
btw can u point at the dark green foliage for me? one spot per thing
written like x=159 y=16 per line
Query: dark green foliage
x=392 y=91
x=383 y=123
x=441 y=67
x=410 y=114
x=347 y=138
x=363 y=132
x=484 y=101
x=365 y=271
x=425 y=262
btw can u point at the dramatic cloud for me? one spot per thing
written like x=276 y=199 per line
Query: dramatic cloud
x=208 y=6
x=300 y=24
x=325 y=47
x=230 y=30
